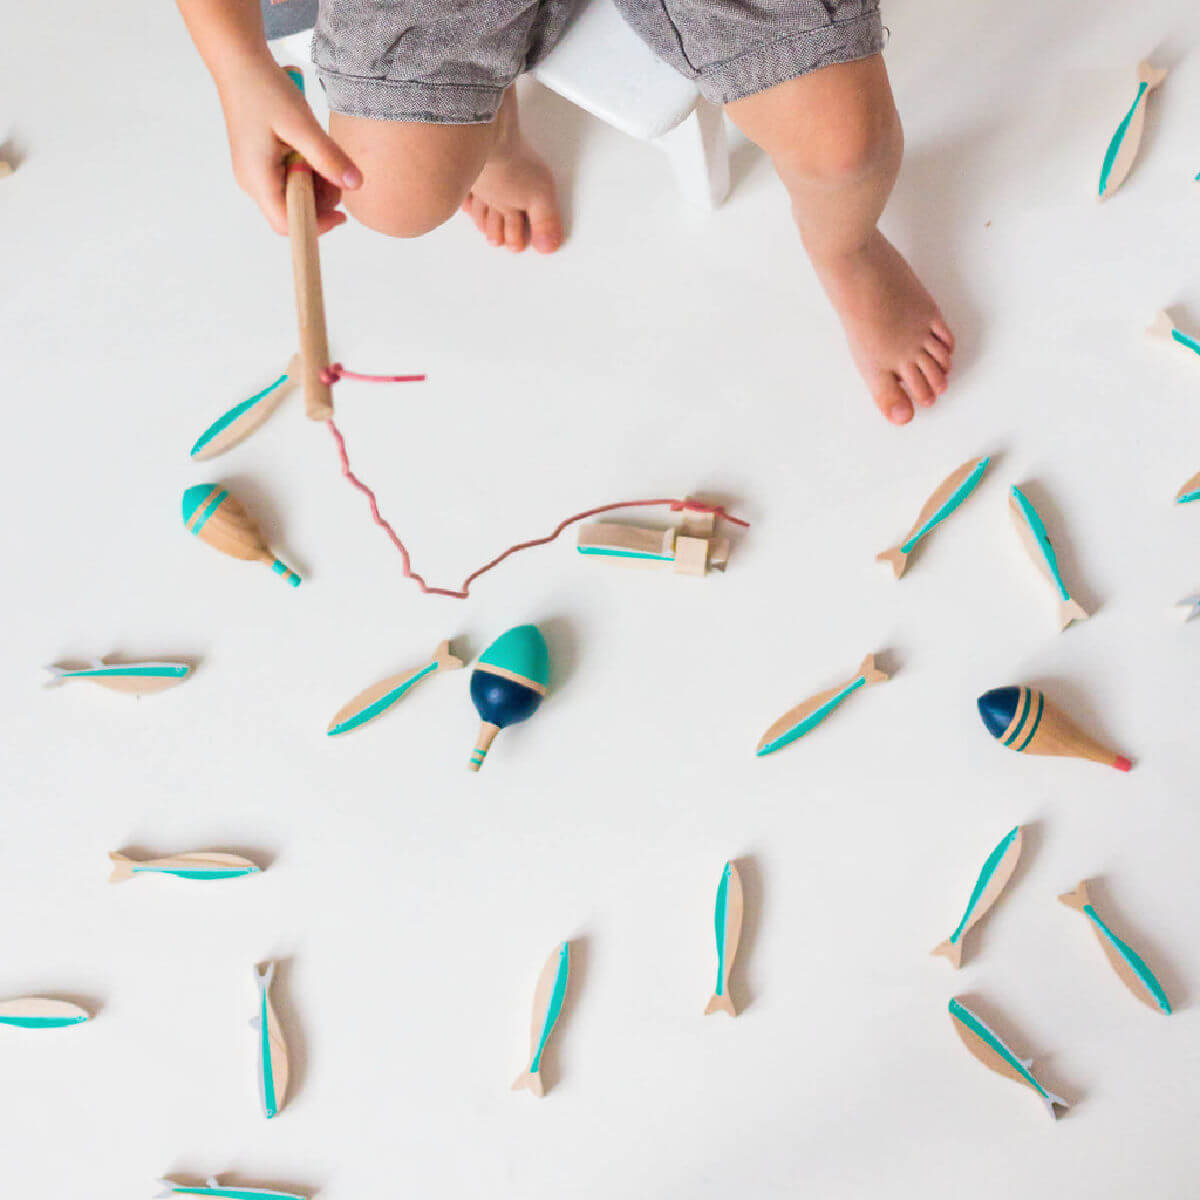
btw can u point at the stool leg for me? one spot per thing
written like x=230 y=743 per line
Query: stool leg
x=699 y=155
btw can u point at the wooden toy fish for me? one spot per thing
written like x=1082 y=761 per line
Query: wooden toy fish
x=952 y=492
x=1190 y=490
x=508 y=684
x=38 y=1012
x=987 y=1046
x=201 y=865
x=1032 y=532
x=1123 y=148
x=245 y=418
x=1022 y=719
x=137 y=679
x=1164 y=328
x=547 y=1005
x=272 y=1049
x=682 y=552
x=1122 y=957
x=216 y=517
x=379 y=697
x=993 y=879
x=727 y=917
x=807 y=716
x=223 y=1192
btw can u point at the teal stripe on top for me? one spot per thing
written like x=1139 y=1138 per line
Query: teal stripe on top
x=813 y=719
x=985 y=877
x=382 y=704
x=555 y=1006
x=1190 y=342
x=223 y=422
x=1114 y=147
x=1037 y=720
x=210 y=507
x=956 y=498
x=1016 y=732
x=1131 y=956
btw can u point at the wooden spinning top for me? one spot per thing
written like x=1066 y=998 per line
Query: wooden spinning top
x=1022 y=719
x=508 y=684
x=218 y=518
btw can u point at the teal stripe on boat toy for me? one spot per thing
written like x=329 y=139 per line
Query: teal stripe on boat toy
x=135 y=679
x=507 y=684
x=1123 y=146
x=727 y=920
x=213 y=1188
x=247 y=417
x=1032 y=532
x=40 y=1012
x=547 y=1007
x=201 y=865
x=378 y=698
x=1124 y=960
x=807 y=716
x=950 y=494
x=993 y=879
x=272 y=1049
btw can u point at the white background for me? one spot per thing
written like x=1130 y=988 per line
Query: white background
x=661 y=352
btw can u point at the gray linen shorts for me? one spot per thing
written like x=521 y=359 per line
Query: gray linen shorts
x=449 y=61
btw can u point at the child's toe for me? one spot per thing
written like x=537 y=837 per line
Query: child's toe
x=516 y=237
x=545 y=226
x=916 y=384
x=933 y=371
x=892 y=401
x=939 y=352
x=494 y=227
x=942 y=332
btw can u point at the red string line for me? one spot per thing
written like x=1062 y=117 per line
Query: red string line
x=335 y=371
x=461 y=594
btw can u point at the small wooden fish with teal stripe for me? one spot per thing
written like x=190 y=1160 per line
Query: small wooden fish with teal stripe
x=245 y=418
x=1163 y=327
x=272 y=1049
x=1032 y=532
x=1190 y=491
x=223 y=1191
x=1125 y=961
x=201 y=865
x=953 y=490
x=993 y=879
x=987 y=1046
x=547 y=1006
x=378 y=698
x=40 y=1012
x=807 y=716
x=218 y=518
x=135 y=679
x=727 y=919
x=1123 y=146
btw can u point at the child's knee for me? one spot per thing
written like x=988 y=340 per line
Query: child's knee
x=404 y=213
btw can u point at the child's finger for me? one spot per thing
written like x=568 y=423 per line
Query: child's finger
x=330 y=220
x=323 y=154
x=267 y=192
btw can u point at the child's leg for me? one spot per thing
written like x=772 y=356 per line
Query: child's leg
x=834 y=137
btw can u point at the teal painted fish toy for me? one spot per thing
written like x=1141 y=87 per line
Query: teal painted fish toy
x=1163 y=327
x=135 y=679
x=547 y=1006
x=216 y=517
x=272 y=1049
x=40 y=1012
x=993 y=879
x=950 y=494
x=205 y=865
x=727 y=920
x=1190 y=491
x=1124 y=960
x=1123 y=145
x=807 y=716
x=1032 y=532
x=987 y=1046
x=218 y=1191
x=245 y=418
x=508 y=683
x=378 y=698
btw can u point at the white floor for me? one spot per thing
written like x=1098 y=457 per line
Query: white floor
x=662 y=352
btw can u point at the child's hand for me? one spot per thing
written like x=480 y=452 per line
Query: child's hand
x=265 y=116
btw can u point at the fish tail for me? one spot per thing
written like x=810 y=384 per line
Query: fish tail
x=264 y=973
x=57 y=677
x=895 y=558
x=529 y=1081
x=949 y=950
x=1161 y=327
x=1150 y=75
x=1055 y=1105
x=168 y=1189
x=1076 y=898
x=122 y=867
x=720 y=1003
x=870 y=672
x=1068 y=611
x=444 y=659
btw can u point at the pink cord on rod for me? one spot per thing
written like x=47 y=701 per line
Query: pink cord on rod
x=335 y=371
x=461 y=594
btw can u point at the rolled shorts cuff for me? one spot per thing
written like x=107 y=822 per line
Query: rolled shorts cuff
x=397 y=100
x=786 y=58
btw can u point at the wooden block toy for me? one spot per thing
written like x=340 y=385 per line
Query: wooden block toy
x=379 y=697
x=1022 y=719
x=219 y=1191
x=987 y=1046
x=1190 y=491
x=547 y=1005
x=39 y=1012
x=202 y=865
x=136 y=679
x=807 y=716
x=683 y=552
x=1032 y=532
x=993 y=879
x=508 y=684
x=1122 y=957
x=1163 y=327
x=306 y=275
x=245 y=418
x=216 y=517
x=1123 y=147
x=272 y=1049
x=727 y=917
x=954 y=489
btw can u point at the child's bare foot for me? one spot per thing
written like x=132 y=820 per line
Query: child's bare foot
x=514 y=202
x=898 y=338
